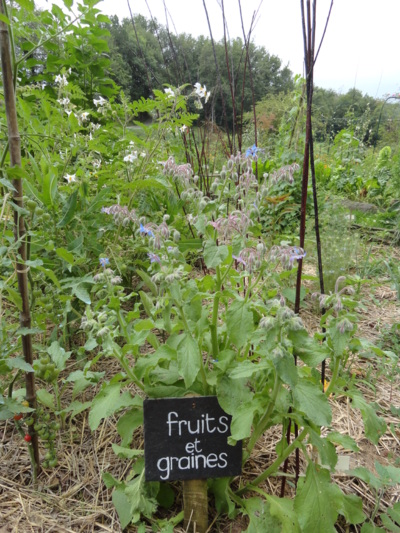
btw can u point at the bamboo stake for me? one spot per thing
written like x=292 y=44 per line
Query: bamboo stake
x=19 y=227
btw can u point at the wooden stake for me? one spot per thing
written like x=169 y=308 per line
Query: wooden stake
x=195 y=505
x=19 y=227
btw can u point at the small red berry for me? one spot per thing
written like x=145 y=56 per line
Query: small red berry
x=18 y=416
x=28 y=438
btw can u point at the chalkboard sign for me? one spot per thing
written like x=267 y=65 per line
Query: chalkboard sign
x=186 y=438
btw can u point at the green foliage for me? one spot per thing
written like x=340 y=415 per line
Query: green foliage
x=129 y=249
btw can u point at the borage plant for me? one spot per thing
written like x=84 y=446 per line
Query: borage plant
x=210 y=319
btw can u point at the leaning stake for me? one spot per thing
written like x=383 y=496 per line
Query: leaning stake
x=19 y=227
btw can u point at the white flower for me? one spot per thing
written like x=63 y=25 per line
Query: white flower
x=143 y=154
x=131 y=143
x=63 y=101
x=183 y=128
x=130 y=158
x=68 y=111
x=100 y=101
x=201 y=91
x=96 y=163
x=84 y=116
x=61 y=80
x=94 y=126
x=70 y=177
x=169 y=92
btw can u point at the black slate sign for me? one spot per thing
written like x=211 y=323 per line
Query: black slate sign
x=186 y=438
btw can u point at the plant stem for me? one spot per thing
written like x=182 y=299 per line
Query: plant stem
x=214 y=319
x=275 y=465
x=259 y=430
x=335 y=374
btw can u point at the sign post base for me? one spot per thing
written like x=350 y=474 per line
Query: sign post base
x=195 y=505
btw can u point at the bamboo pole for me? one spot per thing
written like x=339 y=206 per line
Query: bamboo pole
x=19 y=226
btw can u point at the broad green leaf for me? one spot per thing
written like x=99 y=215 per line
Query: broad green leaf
x=69 y=210
x=390 y=475
x=316 y=501
x=76 y=407
x=4 y=19
x=309 y=399
x=147 y=303
x=248 y=368
x=290 y=294
x=190 y=244
x=149 y=184
x=107 y=402
x=166 y=498
x=82 y=294
x=371 y=528
x=46 y=398
x=19 y=363
x=148 y=282
x=140 y=498
x=326 y=450
x=310 y=351
x=223 y=502
x=367 y=476
x=239 y=323
x=392 y=515
x=374 y=426
x=150 y=361
x=145 y=325
x=29 y=331
x=260 y=517
x=49 y=188
x=29 y=5
x=4 y=181
x=58 y=355
x=128 y=423
x=126 y=453
x=339 y=340
x=389 y=524
x=242 y=421
x=13 y=406
x=66 y=255
x=189 y=359
x=122 y=505
x=282 y=509
x=352 y=509
x=50 y=274
x=347 y=442
x=232 y=393
x=14 y=297
x=214 y=255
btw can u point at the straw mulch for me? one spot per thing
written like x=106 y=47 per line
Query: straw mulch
x=72 y=497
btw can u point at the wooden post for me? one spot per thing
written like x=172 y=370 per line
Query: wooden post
x=195 y=502
x=195 y=505
x=19 y=227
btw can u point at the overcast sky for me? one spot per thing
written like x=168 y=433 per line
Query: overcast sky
x=361 y=46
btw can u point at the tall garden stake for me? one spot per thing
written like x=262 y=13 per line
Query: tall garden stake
x=309 y=27
x=19 y=227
